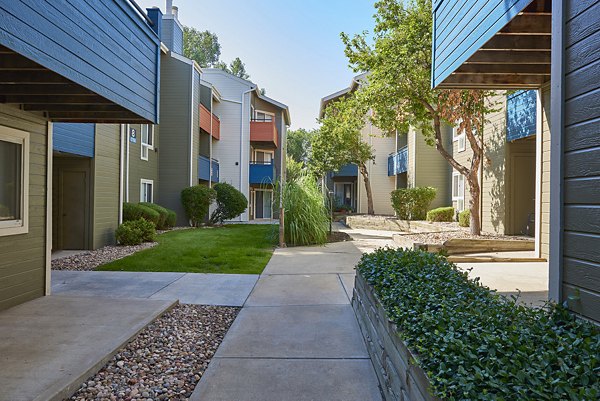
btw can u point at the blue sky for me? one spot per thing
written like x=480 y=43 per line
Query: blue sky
x=291 y=48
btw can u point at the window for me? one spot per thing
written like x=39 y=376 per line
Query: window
x=147 y=140
x=14 y=181
x=146 y=189
x=458 y=190
x=263 y=156
x=263 y=116
x=460 y=138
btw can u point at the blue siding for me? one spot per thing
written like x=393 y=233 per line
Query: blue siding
x=76 y=139
x=102 y=45
x=460 y=28
x=204 y=169
x=398 y=162
x=172 y=34
x=261 y=173
x=349 y=170
x=521 y=114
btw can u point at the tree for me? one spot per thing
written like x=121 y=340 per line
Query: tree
x=298 y=144
x=398 y=88
x=339 y=141
x=238 y=68
x=203 y=47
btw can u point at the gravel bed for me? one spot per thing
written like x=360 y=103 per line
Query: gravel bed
x=90 y=260
x=441 y=237
x=166 y=360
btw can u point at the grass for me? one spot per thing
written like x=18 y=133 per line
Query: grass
x=231 y=249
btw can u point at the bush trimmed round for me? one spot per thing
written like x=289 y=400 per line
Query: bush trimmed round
x=412 y=203
x=230 y=203
x=464 y=218
x=196 y=201
x=163 y=214
x=441 y=214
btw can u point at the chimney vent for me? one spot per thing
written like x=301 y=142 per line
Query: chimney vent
x=169 y=7
x=175 y=12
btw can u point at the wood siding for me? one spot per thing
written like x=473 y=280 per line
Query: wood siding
x=142 y=169
x=432 y=170
x=73 y=138
x=460 y=28
x=545 y=218
x=106 y=173
x=174 y=149
x=23 y=261
x=102 y=45
x=581 y=158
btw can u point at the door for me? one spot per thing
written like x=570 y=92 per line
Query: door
x=258 y=205
x=267 y=204
x=73 y=213
x=348 y=195
x=522 y=196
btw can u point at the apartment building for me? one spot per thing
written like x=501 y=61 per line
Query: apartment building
x=251 y=149
x=402 y=160
x=552 y=49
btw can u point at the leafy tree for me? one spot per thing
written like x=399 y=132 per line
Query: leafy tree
x=230 y=203
x=339 y=141
x=298 y=144
x=238 y=68
x=399 y=86
x=201 y=46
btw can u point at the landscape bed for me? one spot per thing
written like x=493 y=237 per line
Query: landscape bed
x=469 y=342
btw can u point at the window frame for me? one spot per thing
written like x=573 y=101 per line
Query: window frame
x=149 y=144
x=266 y=113
x=460 y=138
x=18 y=226
x=143 y=182
x=460 y=197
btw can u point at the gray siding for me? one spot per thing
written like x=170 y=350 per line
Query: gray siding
x=581 y=158
x=22 y=265
x=174 y=149
x=106 y=185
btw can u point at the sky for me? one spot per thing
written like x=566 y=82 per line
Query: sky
x=292 y=48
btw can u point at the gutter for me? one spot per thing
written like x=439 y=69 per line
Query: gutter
x=121 y=171
x=242 y=137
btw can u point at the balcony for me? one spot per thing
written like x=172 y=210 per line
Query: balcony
x=206 y=118
x=95 y=61
x=264 y=131
x=398 y=162
x=349 y=170
x=262 y=173
x=204 y=169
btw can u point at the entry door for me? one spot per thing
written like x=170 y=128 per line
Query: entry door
x=73 y=209
x=522 y=194
x=258 y=205
x=267 y=204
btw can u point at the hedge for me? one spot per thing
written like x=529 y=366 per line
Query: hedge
x=163 y=214
x=476 y=345
x=412 y=203
x=135 y=232
x=441 y=214
x=464 y=218
x=136 y=211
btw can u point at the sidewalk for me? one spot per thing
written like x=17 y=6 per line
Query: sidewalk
x=296 y=337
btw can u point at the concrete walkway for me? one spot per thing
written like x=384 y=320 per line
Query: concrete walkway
x=296 y=337
x=52 y=344
x=188 y=288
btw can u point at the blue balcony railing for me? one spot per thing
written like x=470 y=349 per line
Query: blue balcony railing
x=262 y=173
x=349 y=170
x=398 y=162
x=204 y=169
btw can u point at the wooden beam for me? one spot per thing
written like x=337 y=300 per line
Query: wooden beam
x=519 y=69
x=54 y=99
x=43 y=89
x=82 y=115
x=519 y=42
x=14 y=61
x=32 y=77
x=533 y=24
x=509 y=57
x=496 y=80
x=88 y=108
x=132 y=119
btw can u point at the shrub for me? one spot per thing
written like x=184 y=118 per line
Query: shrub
x=163 y=214
x=464 y=218
x=136 y=211
x=306 y=219
x=135 y=232
x=474 y=344
x=412 y=203
x=196 y=200
x=171 y=218
x=230 y=203
x=441 y=214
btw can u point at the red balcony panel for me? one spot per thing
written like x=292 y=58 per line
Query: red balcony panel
x=263 y=131
x=205 y=122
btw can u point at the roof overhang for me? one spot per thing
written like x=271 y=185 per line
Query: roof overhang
x=515 y=57
x=354 y=84
x=283 y=107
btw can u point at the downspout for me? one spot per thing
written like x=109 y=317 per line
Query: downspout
x=242 y=137
x=210 y=139
x=121 y=171
x=127 y=165
x=192 y=128
x=481 y=164
x=49 y=172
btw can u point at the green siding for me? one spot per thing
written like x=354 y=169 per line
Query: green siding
x=23 y=261
x=142 y=169
x=106 y=185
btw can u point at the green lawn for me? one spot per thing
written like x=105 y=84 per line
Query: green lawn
x=239 y=248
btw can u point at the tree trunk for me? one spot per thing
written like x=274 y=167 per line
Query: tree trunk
x=474 y=203
x=365 y=175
